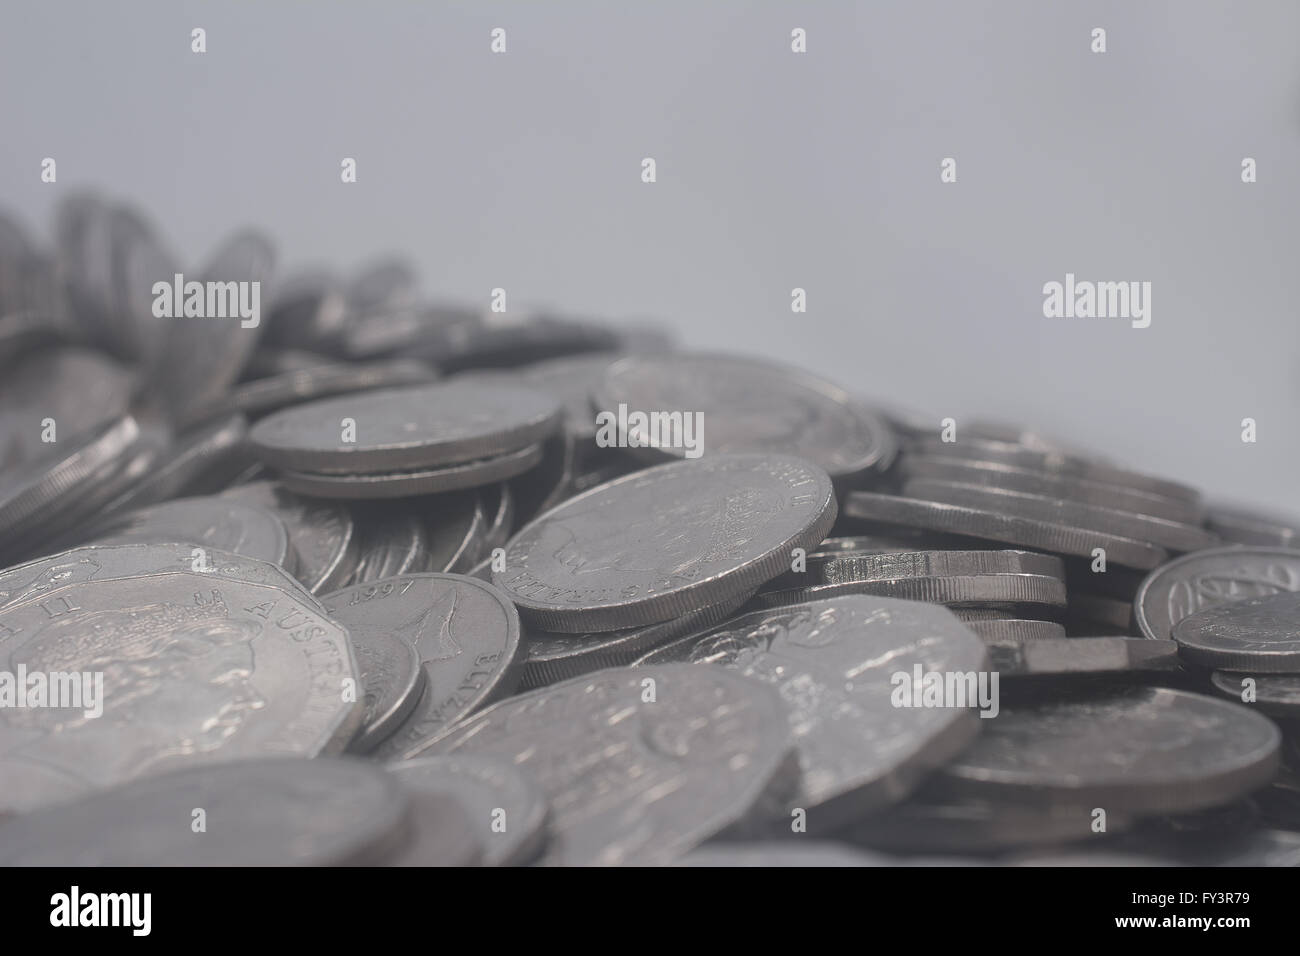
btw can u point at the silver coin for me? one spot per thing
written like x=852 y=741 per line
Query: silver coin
x=505 y=810
x=456 y=527
x=405 y=429
x=634 y=781
x=389 y=282
x=441 y=834
x=1082 y=655
x=572 y=379
x=33 y=491
x=1108 y=612
x=212 y=448
x=466 y=633
x=1135 y=750
x=208 y=522
x=198 y=666
x=405 y=484
x=839 y=568
x=662 y=542
x=199 y=358
x=391 y=672
x=264 y=812
x=1236 y=524
x=1055 y=463
x=747 y=405
x=836 y=664
x=1167 y=534
x=499 y=507
x=80 y=390
x=994 y=525
x=550 y=481
x=1276 y=694
x=321 y=535
x=1197 y=581
x=998 y=626
x=993 y=474
x=391 y=540
x=1253 y=634
x=955 y=589
x=551 y=658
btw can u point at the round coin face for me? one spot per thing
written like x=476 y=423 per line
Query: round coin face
x=403 y=429
x=465 y=631
x=220 y=523
x=746 y=405
x=1207 y=578
x=837 y=664
x=173 y=667
x=266 y=812
x=1253 y=634
x=1132 y=750
x=505 y=810
x=666 y=541
x=638 y=766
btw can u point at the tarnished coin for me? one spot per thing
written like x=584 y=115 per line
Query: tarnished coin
x=392 y=539
x=665 y=541
x=208 y=522
x=550 y=658
x=746 y=405
x=995 y=525
x=405 y=484
x=637 y=773
x=1172 y=535
x=466 y=633
x=1207 y=578
x=265 y=812
x=1133 y=750
x=321 y=535
x=391 y=675
x=1081 y=655
x=196 y=666
x=79 y=390
x=993 y=474
x=505 y=810
x=1259 y=634
x=405 y=429
x=1242 y=525
x=838 y=665
x=1276 y=694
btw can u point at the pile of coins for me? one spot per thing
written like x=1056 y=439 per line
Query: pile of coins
x=369 y=580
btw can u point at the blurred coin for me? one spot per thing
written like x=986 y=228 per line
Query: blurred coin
x=441 y=834
x=504 y=809
x=1237 y=524
x=391 y=539
x=406 y=484
x=208 y=522
x=267 y=812
x=1081 y=655
x=952 y=589
x=805 y=853
x=1276 y=694
x=457 y=527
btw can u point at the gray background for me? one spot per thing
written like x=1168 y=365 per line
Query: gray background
x=775 y=170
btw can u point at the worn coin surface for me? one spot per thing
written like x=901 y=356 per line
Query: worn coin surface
x=1133 y=750
x=404 y=429
x=1203 y=579
x=466 y=633
x=747 y=405
x=506 y=811
x=266 y=812
x=1254 y=634
x=638 y=773
x=665 y=541
x=837 y=664
x=197 y=666
x=321 y=534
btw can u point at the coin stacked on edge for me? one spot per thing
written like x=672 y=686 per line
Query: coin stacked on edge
x=373 y=580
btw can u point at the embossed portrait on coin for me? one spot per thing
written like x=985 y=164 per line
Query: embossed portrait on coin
x=177 y=681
